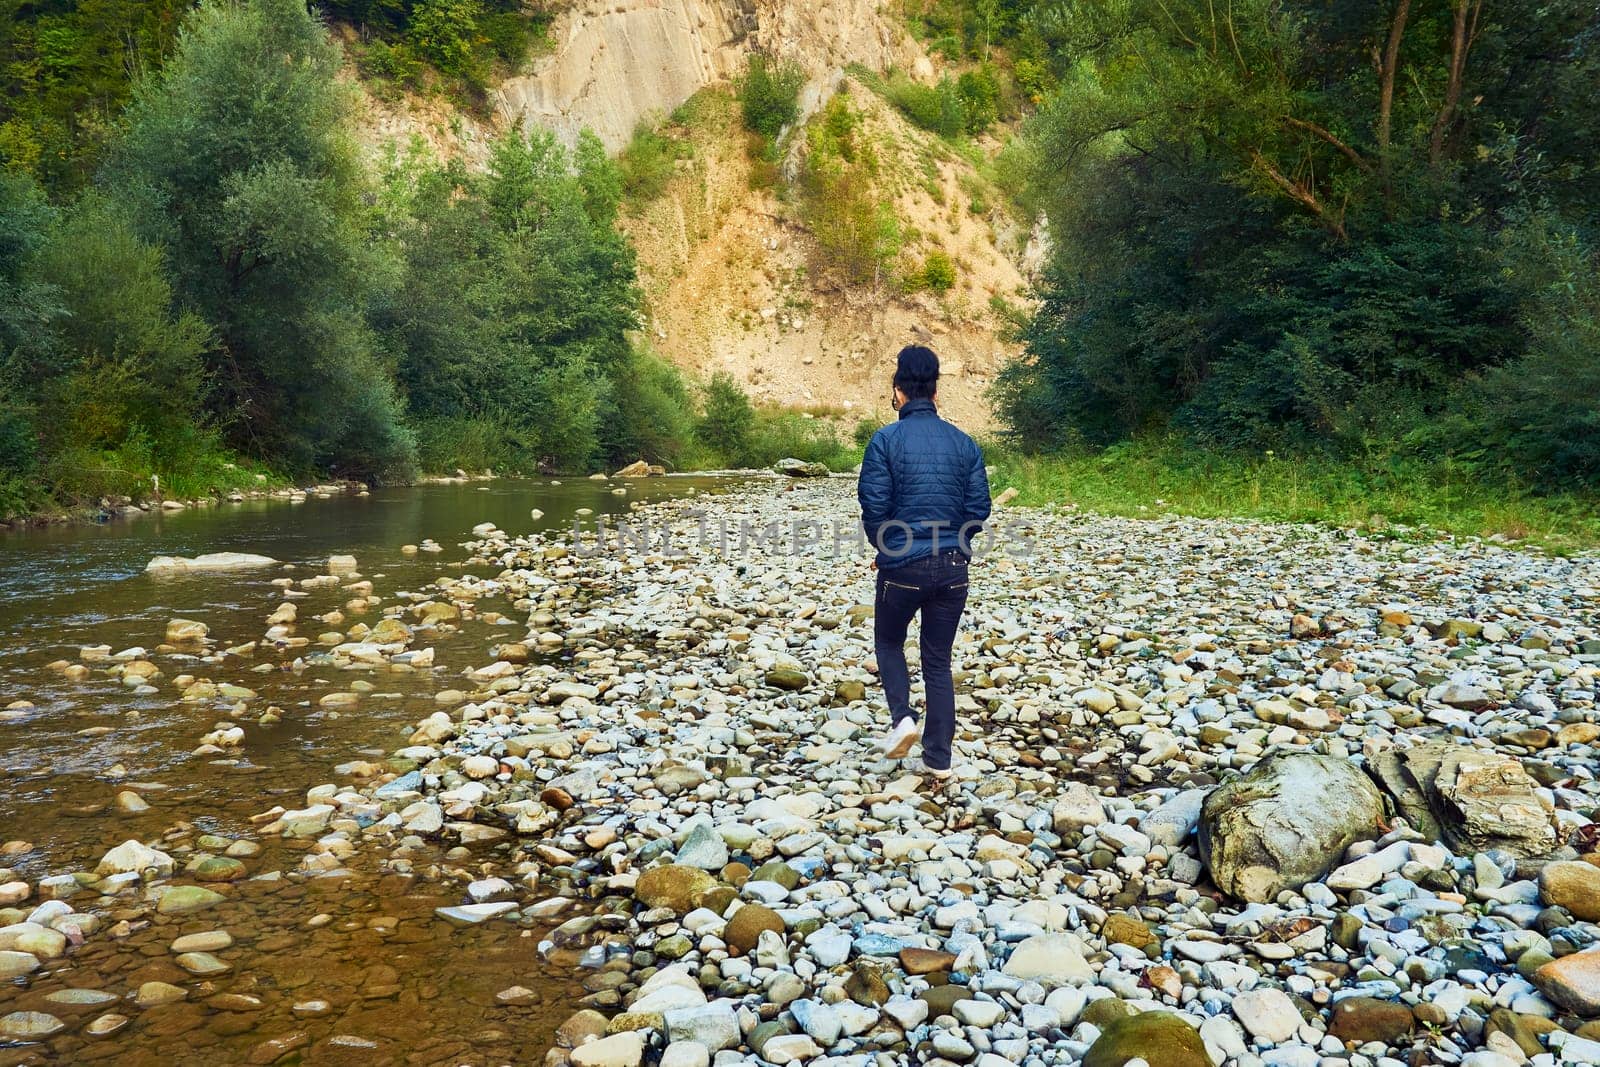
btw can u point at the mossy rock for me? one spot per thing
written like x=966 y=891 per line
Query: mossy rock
x=747 y=925
x=786 y=678
x=673 y=886
x=1159 y=1038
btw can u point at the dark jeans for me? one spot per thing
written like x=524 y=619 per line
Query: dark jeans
x=936 y=586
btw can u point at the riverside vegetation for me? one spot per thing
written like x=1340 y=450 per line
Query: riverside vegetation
x=1384 y=277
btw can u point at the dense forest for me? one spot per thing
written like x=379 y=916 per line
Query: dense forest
x=211 y=279
x=1347 y=227
x=1344 y=230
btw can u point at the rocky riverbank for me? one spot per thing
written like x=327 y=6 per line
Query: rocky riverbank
x=1226 y=793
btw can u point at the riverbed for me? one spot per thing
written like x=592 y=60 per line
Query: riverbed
x=353 y=968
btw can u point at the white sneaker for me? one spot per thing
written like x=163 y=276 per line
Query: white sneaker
x=935 y=772
x=898 y=741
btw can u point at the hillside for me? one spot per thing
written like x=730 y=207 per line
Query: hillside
x=734 y=280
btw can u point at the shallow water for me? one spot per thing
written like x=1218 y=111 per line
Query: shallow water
x=391 y=972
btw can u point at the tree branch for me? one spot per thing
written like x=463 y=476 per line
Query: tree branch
x=1322 y=134
x=1301 y=195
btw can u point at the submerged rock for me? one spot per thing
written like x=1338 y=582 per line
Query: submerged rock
x=211 y=561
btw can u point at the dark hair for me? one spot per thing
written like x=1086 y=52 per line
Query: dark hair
x=916 y=373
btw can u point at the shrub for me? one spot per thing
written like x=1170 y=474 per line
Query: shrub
x=445 y=33
x=647 y=164
x=979 y=91
x=727 y=424
x=392 y=62
x=769 y=95
x=938 y=272
x=938 y=108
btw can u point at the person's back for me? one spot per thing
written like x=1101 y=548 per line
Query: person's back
x=924 y=495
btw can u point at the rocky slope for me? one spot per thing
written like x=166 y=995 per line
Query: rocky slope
x=729 y=268
x=736 y=283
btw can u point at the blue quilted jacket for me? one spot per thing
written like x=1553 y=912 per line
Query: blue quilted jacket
x=922 y=482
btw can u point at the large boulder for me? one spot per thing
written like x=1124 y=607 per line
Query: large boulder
x=1472 y=799
x=799 y=468
x=1285 y=823
x=1159 y=1038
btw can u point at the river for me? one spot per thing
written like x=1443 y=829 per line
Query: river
x=331 y=970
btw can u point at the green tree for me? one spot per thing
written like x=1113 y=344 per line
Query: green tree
x=769 y=95
x=237 y=161
x=445 y=33
x=727 y=424
x=1265 y=236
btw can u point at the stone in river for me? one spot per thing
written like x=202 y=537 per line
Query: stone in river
x=473 y=914
x=180 y=631
x=673 y=886
x=713 y=1025
x=1269 y=1015
x=217 y=869
x=1076 y=808
x=30 y=1026
x=786 y=678
x=703 y=848
x=211 y=561
x=181 y=899
x=1159 y=1038
x=926 y=960
x=744 y=929
x=155 y=994
x=202 y=964
x=106 y=1025
x=1574 y=886
x=16 y=964
x=685 y=1054
x=618 y=1050
x=133 y=857
x=81 y=998
x=1358 y=1020
x=1285 y=823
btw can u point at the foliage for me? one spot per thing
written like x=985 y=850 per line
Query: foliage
x=769 y=95
x=66 y=70
x=648 y=163
x=1261 y=240
x=938 y=108
x=1390 y=493
x=444 y=33
x=937 y=273
x=465 y=41
x=856 y=232
x=237 y=161
x=516 y=297
x=733 y=432
x=727 y=425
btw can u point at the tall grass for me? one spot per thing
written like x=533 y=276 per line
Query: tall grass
x=1389 y=494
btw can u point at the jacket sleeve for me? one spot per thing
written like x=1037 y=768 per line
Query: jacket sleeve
x=875 y=489
x=977 y=505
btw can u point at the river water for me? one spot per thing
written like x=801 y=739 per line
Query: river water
x=352 y=969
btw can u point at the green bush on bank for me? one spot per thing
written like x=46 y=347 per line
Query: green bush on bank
x=1155 y=475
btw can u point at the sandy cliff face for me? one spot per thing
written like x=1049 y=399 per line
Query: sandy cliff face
x=730 y=272
x=733 y=280
x=619 y=61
